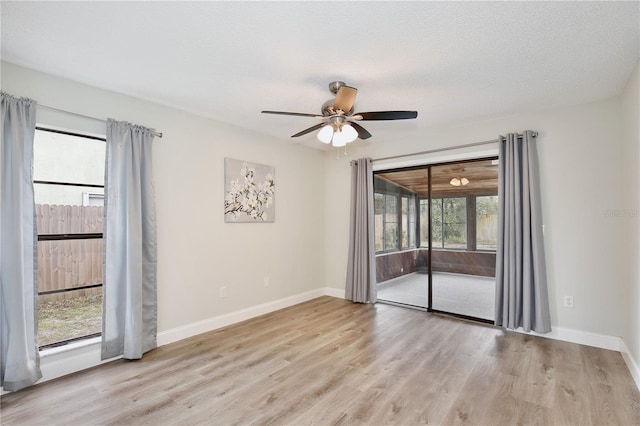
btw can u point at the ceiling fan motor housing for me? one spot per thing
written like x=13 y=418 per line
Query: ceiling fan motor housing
x=327 y=108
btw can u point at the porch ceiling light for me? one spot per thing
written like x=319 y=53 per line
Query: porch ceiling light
x=461 y=181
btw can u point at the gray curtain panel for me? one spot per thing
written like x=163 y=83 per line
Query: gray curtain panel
x=20 y=361
x=361 y=267
x=521 y=282
x=130 y=252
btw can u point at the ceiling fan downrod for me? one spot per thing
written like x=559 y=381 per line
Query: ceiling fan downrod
x=334 y=86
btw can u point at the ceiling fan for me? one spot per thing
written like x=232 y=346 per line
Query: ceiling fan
x=338 y=125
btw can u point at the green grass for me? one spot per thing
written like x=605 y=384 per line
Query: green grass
x=68 y=319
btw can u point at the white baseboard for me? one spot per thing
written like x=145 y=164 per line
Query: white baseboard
x=214 y=323
x=334 y=292
x=603 y=341
x=631 y=363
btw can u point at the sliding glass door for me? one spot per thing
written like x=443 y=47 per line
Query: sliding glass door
x=436 y=237
x=464 y=205
x=400 y=234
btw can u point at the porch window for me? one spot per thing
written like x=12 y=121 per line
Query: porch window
x=449 y=222
x=487 y=222
x=408 y=222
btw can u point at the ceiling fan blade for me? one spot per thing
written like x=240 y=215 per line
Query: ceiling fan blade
x=299 y=114
x=388 y=115
x=309 y=130
x=362 y=132
x=345 y=98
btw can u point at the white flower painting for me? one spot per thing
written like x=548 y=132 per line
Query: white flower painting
x=249 y=192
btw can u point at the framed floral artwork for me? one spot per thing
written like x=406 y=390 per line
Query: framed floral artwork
x=249 y=194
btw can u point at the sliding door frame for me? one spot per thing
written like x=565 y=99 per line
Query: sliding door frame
x=429 y=166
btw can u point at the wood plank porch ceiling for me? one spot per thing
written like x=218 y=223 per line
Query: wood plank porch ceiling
x=482 y=175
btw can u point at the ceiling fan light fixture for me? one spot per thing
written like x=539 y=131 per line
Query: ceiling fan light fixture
x=339 y=139
x=349 y=133
x=325 y=134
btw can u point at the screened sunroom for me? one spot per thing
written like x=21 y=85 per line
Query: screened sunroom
x=435 y=236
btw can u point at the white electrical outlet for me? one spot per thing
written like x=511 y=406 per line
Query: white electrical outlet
x=568 y=302
x=266 y=281
x=223 y=292
x=401 y=270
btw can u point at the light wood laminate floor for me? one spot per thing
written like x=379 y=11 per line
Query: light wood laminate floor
x=329 y=361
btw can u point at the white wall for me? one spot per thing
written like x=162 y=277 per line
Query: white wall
x=580 y=161
x=630 y=218
x=198 y=253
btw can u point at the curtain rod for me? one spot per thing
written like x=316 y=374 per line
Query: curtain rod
x=80 y=115
x=535 y=134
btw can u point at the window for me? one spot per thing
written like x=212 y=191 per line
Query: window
x=386 y=222
x=394 y=216
x=68 y=175
x=378 y=205
x=390 y=222
x=458 y=218
x=394 y=229
x=413 y=217
x=436 y=223
x=424 y=222
x=486 y=222
x=408 y=221
x=449 y=223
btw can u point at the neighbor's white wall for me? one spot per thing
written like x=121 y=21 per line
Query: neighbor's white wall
x=630 y=219
x=82 y=162
x=197 y=252
x=580 y=165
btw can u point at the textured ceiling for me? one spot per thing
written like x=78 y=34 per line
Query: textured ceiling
x=453 y=62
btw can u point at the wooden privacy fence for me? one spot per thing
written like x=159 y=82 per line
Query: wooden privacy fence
x=64 y=264
x=487 y=227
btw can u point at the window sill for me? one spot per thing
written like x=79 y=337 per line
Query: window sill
x=395 y=251
x=71 y=358
x=70 y=347
x=459 y=250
